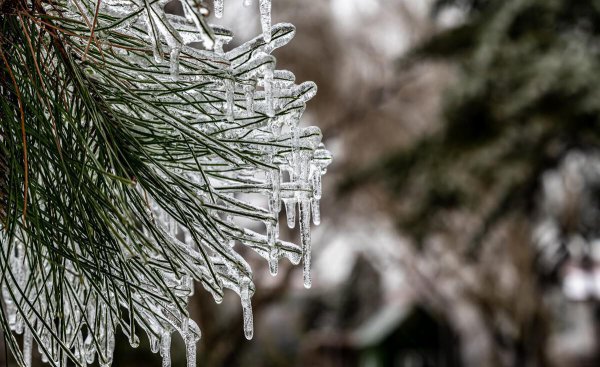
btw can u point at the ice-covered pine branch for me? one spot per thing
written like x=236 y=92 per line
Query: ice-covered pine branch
x=136 y=151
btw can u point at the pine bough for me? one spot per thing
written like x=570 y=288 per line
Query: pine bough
x=130 y=155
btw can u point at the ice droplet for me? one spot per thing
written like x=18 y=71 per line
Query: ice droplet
x=134 y=341
x=154 y=343
x=247 y=3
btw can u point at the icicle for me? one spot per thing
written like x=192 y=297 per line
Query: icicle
x=265 y=19
x=27 y=346
x=229 y=219
x=305 y=239
x=272 y=231
x=295 y=171
x=268 y=85
x=247 y=308
x=304 y=167
x=185 y=323
x=290 y=210
x=165 y=349
x=154 y=38
x=230 y=95
x=317 y=186
x=154 y=343
x=18 y=326
x=218 y=8
x=174 y=62
x=249 y=94
x=190 y=346
x=90 y=349
x=274 y=260
x=316 y=212
x=188 y=283
x=110 y=347
x=316 y=178
x=276 y=184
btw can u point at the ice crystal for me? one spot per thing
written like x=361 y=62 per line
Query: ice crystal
x=246 y=113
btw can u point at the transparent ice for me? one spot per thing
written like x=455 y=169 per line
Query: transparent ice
x=247 y=114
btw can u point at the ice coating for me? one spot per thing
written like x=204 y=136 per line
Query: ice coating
x=237 y=102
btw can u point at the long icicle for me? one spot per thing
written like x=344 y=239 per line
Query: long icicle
x=265 y=19
x=219 y=8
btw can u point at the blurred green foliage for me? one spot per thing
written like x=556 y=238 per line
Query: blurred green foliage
x=527 y=90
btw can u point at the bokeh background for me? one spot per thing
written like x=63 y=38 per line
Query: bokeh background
x=461 y=215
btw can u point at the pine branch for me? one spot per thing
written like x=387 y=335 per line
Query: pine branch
x=136 y=150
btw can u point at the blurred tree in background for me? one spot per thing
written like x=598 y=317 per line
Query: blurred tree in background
x=525 y=96
x=527 y=93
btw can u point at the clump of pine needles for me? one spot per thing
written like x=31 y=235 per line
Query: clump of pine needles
x=96 y=137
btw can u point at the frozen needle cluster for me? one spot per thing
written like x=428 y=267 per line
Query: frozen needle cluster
x=209 y=127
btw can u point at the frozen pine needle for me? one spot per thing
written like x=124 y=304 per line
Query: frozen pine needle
x=163 y=139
